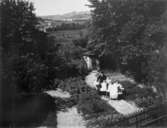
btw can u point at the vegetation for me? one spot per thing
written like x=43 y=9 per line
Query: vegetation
x=143 y=97
x=129 y=33
x=96 y=111
x=67 y=26
x=32 y=59
x=24 y=47
x=126 y=35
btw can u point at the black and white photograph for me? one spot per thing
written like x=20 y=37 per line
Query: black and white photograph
x=83 y=63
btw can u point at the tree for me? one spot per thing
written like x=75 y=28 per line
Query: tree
x=127 y=32
x=27 y=52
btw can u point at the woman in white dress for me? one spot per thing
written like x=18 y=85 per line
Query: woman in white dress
x=115 y=90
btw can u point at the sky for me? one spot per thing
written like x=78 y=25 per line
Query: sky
x=54 y=7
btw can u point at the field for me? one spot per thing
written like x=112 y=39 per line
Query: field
x=66 y=36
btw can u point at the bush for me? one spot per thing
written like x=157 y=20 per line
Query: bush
x=90 y=104
x=28 y=54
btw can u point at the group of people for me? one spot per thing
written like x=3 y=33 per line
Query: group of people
x=102 y=83
x=105 y=87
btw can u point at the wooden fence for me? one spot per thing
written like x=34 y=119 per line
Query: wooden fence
x=144 y=118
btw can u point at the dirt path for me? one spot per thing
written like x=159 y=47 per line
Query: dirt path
x=70 y=119
x=122 y=106
x=58 y=93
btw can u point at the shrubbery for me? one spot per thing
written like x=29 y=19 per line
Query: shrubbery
x=30 y=60
x=130 y=36
x=92 y=104
x=143 y=97
x=67 y=26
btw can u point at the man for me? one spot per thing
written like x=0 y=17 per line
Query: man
x=101 y=77
x=101 y=84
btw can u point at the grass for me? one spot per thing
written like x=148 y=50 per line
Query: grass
x=66 y=36
x=143 y=97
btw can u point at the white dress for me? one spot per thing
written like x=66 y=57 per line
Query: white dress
x=113 y=90
x=88 y=61
x=103 y=86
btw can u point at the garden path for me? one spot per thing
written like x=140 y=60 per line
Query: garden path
x=68 y=118
x=58 y=93
x=122 y=106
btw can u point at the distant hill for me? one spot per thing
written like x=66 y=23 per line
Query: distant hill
x=84 y=15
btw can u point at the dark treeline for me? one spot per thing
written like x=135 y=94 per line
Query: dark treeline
x=27 y=64
x=26 y=51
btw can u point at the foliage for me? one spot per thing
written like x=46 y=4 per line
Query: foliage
x=142 y=97
x=127 y=33
x=74 y=85
x=28 y=54
x=67 y=26
x=82 y=42
x=72 y=45
x=157 y=71
x=71 y=55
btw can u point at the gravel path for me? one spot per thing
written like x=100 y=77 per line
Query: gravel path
x=58 y=93
x=70 y=119
x=122 y=106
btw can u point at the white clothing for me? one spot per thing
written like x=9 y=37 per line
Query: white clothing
x=108 y=80
x=91 y=79
x=95 y=83
x=103 y=86
x=113 y=90
x=88 y=61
